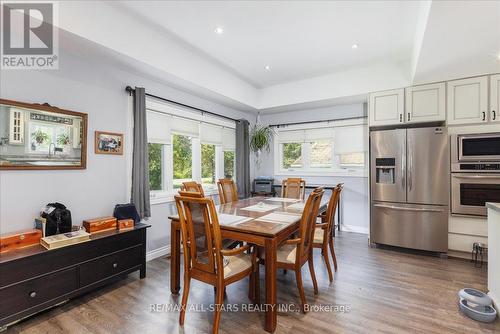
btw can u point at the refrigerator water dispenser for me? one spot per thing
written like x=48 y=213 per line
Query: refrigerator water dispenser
x=385 y=170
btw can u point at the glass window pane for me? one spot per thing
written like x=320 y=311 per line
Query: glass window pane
x=352 y=159
x=292 y=155
x=207 y=164
x=155 y=166
x=229 y=164
x=320 y=155
x=183 y=161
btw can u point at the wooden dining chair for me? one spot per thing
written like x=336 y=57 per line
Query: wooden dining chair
x=294 y=253
x=204 y=258
x=227 y=191
x=293 y=187
x=193 y=186
x=323 y=237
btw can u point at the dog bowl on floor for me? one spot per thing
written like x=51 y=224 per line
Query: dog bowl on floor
x=483 y=313
x=475 y=296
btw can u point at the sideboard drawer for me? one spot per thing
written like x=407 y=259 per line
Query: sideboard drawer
x=25 y=295
x=106 y=266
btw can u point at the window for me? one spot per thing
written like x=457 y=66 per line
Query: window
x=44 y=135
x=292 y=156
x=156 y=166
x=182 y=159
x=331 y=147
x=208 y=164
x=186 y=146
x=229 y=164
x=320 y=154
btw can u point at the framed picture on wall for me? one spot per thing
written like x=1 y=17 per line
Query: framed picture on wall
x=108 y=143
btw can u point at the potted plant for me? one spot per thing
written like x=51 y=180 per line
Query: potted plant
x=260 y=138
x=63 y=139
x=40 y=137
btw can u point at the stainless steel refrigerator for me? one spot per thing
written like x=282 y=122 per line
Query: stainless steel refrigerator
x=409 y=181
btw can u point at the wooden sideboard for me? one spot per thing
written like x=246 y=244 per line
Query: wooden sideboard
x=33 y=279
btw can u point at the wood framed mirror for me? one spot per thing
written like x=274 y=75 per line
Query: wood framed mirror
x=36 y=136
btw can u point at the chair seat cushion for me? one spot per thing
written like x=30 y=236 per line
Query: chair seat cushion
x=318 y=235
x=287 y=253
x=237 y=264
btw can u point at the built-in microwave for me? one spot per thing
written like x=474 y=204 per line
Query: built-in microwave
x=475 y=147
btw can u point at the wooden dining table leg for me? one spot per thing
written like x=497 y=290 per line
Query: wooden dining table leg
x=175 y=259
x=271 y=306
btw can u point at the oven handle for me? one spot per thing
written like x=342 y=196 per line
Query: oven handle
x=392 y=207
x=476 y=176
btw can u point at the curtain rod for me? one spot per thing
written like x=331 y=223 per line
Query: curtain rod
x=130 y=90
x=320 y=121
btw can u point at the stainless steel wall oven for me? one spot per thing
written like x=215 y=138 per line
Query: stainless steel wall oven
x=475 y=173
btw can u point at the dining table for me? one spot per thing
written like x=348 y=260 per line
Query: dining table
x=263 y=221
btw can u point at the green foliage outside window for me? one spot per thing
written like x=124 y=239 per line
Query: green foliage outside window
x=183 y=160
x=155 y=166
x=208 y=163
x=292 y=155
x=229 y=164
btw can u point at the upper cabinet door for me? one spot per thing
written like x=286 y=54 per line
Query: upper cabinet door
x=16 y=126
x=494 y=98
x=426 y=103
x=387 y=107
x=468 y=101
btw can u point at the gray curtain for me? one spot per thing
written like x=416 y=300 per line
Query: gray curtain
x=243 y=159
x=140 y=160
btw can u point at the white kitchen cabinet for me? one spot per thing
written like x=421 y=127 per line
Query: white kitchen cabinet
x=425 y=103
x=495 y=98
x=468 y=101
x=16 y=126
x=386 y=107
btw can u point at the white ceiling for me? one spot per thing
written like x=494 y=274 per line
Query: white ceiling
x=306 y=43
x=298 y=40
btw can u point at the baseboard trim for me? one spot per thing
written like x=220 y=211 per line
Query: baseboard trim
x=156 y=253
x=354 y=228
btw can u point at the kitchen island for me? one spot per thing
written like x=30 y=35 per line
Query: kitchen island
x=494 y=252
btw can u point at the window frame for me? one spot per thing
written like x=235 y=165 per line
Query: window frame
x=336 y=169
x=168 y=191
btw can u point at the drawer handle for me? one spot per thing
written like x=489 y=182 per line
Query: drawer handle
x=32 y=294
x=115 y=265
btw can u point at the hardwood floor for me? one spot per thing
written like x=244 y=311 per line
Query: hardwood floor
x=387 y=291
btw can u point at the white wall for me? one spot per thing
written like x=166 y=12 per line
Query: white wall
x=355 y=197
x=92 y=85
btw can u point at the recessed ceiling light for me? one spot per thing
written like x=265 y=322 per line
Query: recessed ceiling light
x=498 y=56
x=219 y=30
x=354 y=46
x=267 y=67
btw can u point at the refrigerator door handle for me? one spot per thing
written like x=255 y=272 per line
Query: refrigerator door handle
x=392 y=207
x=403 y=170
x=410 y=167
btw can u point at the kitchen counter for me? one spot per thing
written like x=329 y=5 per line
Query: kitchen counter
x=493 y=206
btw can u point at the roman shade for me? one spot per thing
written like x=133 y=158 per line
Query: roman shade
x=318 y=134
x=351 y=139
x=291 y=136
x=158 y=128
x=185 y=127
x=228 y=139
x=211 y=134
